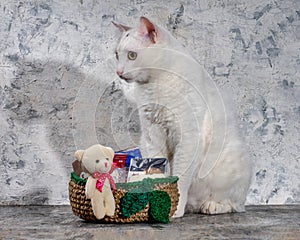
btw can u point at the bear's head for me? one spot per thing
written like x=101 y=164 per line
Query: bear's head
x=96 y=158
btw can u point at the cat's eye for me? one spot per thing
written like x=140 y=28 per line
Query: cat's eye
x=97 y=161
x=117 y=56
x=132 y=55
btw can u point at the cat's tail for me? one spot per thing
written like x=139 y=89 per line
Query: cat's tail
x=213 y=137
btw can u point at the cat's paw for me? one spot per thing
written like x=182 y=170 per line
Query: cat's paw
x=179 y=213
x=181 y=204
x=212 y=207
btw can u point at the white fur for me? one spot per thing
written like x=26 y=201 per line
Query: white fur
x=183 y=117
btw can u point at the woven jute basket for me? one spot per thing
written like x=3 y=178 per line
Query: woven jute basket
x=81 y=206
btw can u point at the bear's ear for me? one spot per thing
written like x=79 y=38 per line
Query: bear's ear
x=110 y=152
x=79 y=155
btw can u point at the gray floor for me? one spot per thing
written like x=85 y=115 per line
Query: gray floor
x=58 y=222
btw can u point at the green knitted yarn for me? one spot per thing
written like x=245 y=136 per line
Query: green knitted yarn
x=148 y=182
x=131 y=185
x=133 y=203
x=137 y=198
x=78 y=180
x=142 y=193
x=160 y=206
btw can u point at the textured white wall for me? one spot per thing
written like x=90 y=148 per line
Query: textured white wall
x=59 y=91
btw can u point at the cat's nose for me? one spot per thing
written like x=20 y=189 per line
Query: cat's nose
x=120 y=73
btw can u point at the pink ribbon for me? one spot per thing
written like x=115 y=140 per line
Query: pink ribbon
x=101 y=177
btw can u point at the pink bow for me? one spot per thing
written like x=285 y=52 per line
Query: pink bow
x=101 y=177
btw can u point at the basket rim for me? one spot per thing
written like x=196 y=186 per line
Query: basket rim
x=129 y=185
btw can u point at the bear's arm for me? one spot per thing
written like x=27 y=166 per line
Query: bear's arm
x=90 y=187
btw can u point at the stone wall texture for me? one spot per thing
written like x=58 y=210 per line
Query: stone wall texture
x=59 y=91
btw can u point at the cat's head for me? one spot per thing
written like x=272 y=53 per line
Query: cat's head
x=131 y=52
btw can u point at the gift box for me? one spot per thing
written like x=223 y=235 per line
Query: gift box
x=126 y=155
x=134 y=152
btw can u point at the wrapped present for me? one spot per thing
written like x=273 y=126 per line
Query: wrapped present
x=128 y=153
x=122 y=161
x=141 y=168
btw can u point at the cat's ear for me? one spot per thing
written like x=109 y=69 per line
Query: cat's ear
x=121 y=27
x=148 y=28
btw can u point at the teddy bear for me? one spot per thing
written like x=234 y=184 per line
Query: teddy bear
x=97 y=160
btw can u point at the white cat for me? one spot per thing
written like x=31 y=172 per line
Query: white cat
x=183 y=118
